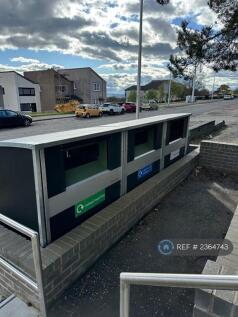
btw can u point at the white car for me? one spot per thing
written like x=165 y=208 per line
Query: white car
x=112 y=108
x=228 y=97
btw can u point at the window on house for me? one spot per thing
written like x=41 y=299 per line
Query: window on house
x=60 y=89
x=28 y=107
x=26 y=91
x=96 y=87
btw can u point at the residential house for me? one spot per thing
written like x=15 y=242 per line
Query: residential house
x=55 y=87
x=89 y=87
x=1 y=97
x=20 y=93
x=158 y=85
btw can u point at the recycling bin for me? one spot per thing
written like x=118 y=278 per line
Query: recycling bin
x=51 y=183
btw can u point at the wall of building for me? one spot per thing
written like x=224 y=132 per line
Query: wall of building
x=10 y=98
x=63 y=88
x=24 y=83
x=47 y=84
x=51 y=83
x=83 y=79
x=11 y=81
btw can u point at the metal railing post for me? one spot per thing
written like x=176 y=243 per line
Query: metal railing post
x=124 y=299
x=39 y=274
x=39 y=284
x=197 y=281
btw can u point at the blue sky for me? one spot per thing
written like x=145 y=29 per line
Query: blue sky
x=102 y=34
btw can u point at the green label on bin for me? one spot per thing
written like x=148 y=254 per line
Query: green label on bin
x=89 y=203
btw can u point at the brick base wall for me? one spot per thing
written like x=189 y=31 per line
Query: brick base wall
x=219 y=156
x=70 y=256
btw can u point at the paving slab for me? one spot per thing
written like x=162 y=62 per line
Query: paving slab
x=201 y=207
x=14 y=307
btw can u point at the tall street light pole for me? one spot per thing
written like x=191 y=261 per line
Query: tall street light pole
x=194 y=84
x=213 y=86
x=138 y=95
x=170 y=86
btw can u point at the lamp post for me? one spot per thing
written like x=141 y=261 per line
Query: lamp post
x=194 y=84
x=213 y=86
x=170 y=86
x=138 y=94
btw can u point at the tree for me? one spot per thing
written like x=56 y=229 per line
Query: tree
x=224 y=90
x=178 y=91
x=161 y=93
x=214 y=47
x=151 y=94
x=132 y=96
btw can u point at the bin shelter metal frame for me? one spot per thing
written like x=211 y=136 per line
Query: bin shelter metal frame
x=197 y=281
x=38 y=284
x=48 y=207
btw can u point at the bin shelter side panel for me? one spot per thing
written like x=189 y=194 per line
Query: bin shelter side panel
x=177 y=129
x=18 y=194
x=78 y=213
x=140 y=142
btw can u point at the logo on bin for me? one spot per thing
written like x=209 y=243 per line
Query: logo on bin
x=89 y=203
x=145 y=171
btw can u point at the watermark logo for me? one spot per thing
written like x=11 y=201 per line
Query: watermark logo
x=166 y=247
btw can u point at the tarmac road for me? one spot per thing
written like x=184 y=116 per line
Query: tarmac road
x=218 y=110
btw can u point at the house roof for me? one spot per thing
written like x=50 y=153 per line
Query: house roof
x=47 y=70
x=89 y=68
x=12 y=71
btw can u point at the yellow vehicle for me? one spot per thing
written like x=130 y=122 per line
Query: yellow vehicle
x=87 y=111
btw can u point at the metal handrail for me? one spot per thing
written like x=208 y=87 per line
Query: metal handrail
x=224 y=282
x=34 y=236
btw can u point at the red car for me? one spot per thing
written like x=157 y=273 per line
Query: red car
x=130 y=106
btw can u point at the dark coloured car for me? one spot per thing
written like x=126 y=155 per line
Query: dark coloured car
x=130 y=106
x=9 y=118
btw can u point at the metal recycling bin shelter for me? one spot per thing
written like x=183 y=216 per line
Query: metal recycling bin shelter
x=53 y=182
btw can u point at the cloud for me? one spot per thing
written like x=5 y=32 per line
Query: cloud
x=105 y=30
x=25 y=60
x=28 y=65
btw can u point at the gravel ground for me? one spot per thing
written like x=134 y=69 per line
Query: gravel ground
x=201 y=207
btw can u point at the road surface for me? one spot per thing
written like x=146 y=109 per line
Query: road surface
x=218 y=110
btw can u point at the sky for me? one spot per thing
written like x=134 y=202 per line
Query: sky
x=102 y=34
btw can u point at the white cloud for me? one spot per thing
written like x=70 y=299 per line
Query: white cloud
x=25 y=60
x=105 y=30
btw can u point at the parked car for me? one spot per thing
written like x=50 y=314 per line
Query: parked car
x=130 y=106
x=87 y=111
x=228 y=97
x=151 y=105
x=9 y=118
x=112 y=108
